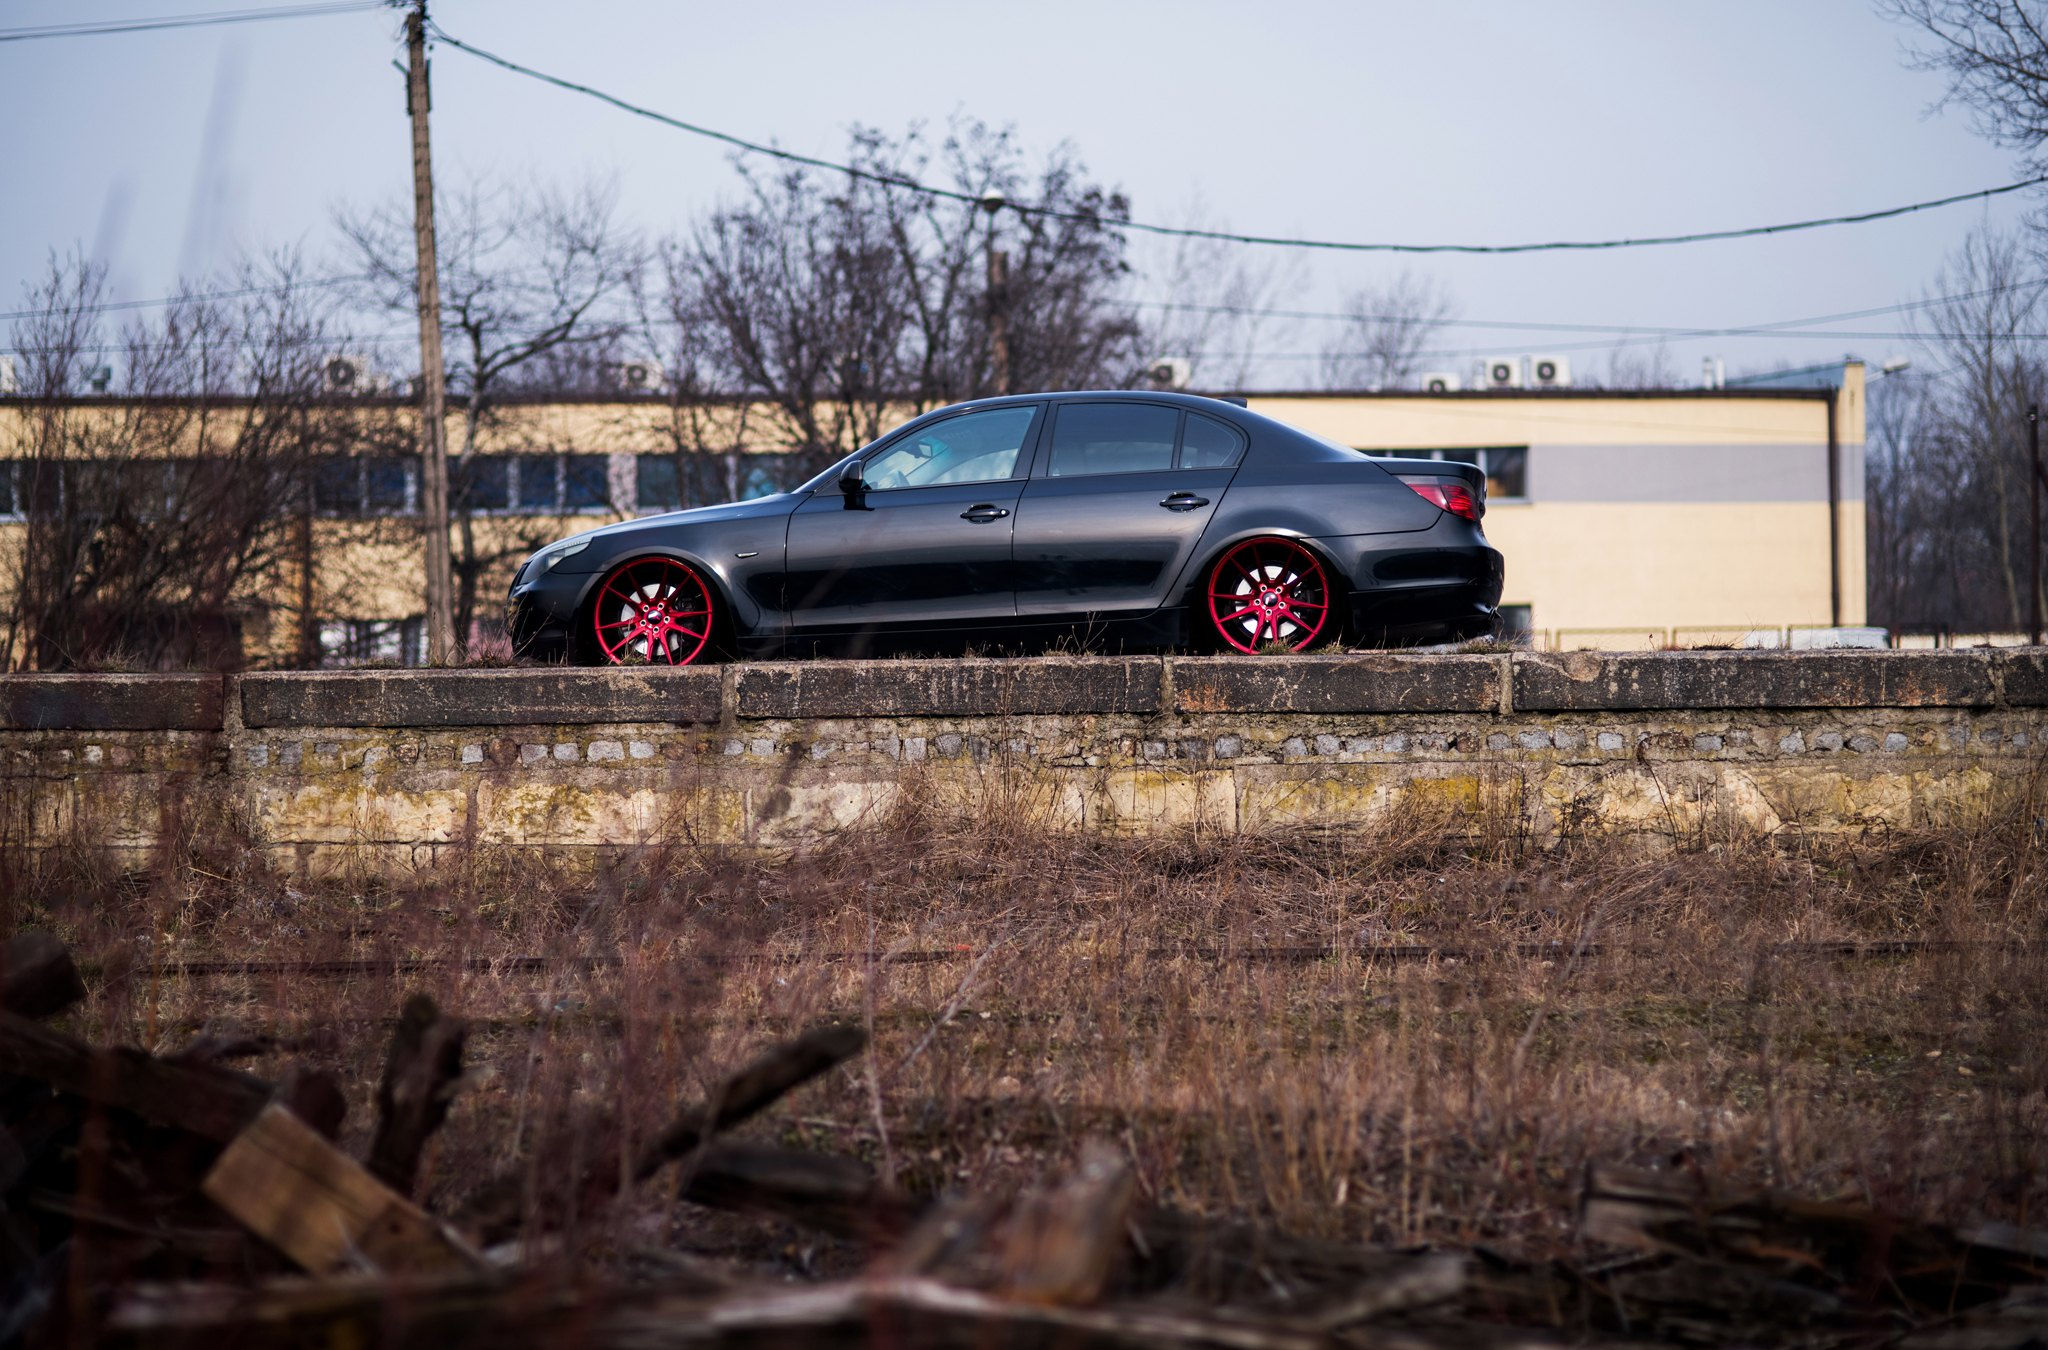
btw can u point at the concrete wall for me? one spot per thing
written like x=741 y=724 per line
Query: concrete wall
x=400 y=767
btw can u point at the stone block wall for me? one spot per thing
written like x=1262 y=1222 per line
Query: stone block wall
x=401 y=766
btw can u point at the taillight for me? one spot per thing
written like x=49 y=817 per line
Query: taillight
x=1456 y=498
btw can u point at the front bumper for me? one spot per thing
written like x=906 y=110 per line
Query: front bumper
x=540 y=615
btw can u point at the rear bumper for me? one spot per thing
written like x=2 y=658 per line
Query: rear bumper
x=1434 y=586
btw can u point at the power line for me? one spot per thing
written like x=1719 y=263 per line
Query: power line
x=1249 y=311
x=206 y=20
x=1226 y=236
x=193 y=298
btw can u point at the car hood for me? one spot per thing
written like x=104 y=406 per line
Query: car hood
x=621 y=534
x=781 y=504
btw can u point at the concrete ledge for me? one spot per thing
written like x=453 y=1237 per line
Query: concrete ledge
x=110 y=702
x=1604 y=681
x=951 y=688
x=479 y=698
x=2023 y=678
x=1337 y=684
x=1371 y=683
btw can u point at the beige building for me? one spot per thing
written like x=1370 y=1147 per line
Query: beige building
x=1630 y=519
x=1627 y=519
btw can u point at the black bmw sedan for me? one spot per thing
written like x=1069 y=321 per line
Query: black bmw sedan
x=1129 y=518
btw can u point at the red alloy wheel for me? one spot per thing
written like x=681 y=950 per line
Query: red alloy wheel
x=1268 y=591
x=655 y=611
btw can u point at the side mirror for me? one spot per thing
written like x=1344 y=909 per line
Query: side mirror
x=850 y=482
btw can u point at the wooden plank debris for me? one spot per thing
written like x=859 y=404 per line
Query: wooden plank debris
x=420 y=1077
x=37 y=976
x=321 y=1207
x=501 y=1208
x=204 y=1099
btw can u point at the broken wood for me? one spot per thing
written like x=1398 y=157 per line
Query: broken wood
x=1059 y=1246
x=206 y=1100
x=37 y=976
x=497 y=1213
x=1438 y=1277
x=420 y=1077
x=1850 y=1250
x=322 y=1208
x=832 y=1194
x=773 y=1074
x=470 y=1313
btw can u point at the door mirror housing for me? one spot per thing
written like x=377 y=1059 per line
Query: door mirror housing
x=850 y=482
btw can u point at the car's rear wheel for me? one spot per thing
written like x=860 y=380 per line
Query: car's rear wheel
x=1270 y=594
x=653 y=611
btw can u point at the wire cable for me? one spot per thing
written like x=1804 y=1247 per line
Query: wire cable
x=196 y=297
x=206 y=20
x=1185 y=232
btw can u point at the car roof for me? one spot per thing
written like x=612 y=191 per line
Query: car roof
x=1205 y=402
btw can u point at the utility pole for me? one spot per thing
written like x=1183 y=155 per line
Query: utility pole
x=433 y=390
x=999 y=319
x=998 y=297
x=2034 y=483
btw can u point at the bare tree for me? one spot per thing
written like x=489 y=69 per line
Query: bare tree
x=703 y=420
x=535 y=289
x=844 y=302
x=1215 y=305
x=1637 y=367
x=159 y=520
x=1994 y=54
x=1388 y=327
x=1918 y=542
x=1992 y=298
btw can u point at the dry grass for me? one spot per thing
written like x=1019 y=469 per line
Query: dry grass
x=1027 y=988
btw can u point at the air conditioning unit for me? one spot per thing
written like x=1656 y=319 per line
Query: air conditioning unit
x=1550 y=372
x=348 y=375
x=636 y=377
x=10 y=382
x=1441 y=382
x=1169 y=372
x=1501 y=372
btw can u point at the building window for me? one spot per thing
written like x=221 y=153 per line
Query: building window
x=366 y=485
x=764 y=476
x=586 y=483
x=362 y=642
x=1506 y=466
x=702 y=478
x=1516 y=621
x=544 y=485
x=480 y=484
x=656 y=486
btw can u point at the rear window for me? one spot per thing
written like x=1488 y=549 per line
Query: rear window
x=1092 y=438
x=1209 y=444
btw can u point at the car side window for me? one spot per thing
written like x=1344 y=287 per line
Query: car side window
x=1094 y=438
x=978 y=447
x=1209 y=444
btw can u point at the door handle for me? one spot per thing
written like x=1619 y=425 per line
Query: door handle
x=982 y=515
x=1183 y=501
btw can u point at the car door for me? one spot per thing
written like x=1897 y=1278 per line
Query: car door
x=1117 y=506
x=927 y=540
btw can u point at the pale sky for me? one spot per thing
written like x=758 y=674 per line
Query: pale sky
x=1456 y=120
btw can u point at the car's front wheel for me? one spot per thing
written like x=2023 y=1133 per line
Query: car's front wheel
x=653 y=611
x=1270 y=595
